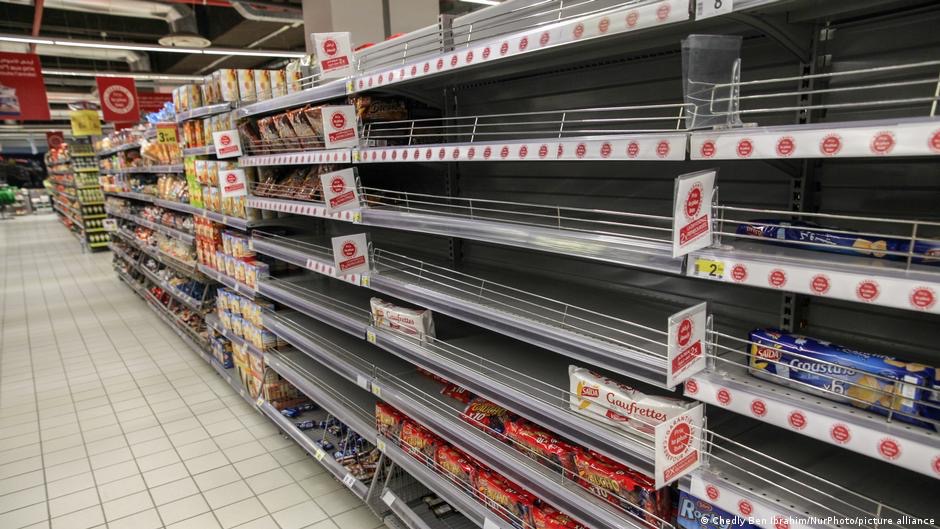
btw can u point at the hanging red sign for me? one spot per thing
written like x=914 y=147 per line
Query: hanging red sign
x=55 y=139
x=153 y=101
x=118 y=96
x=22 y=89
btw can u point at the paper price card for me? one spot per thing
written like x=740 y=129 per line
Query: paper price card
x=339 y=190
x=380 y=444
x=490 y=524
x=166 y=133
x=351 y=254
x=376 y=390
x=370 y=337
x=349 y=480
x=678 y=445
x=388 y=498
x=228 y=144
x=709 y=268
x=334 y=54
x=85 y=123
x=712 y=8
x=319 y=454
x=692 y=212
x=109 y=224
x=686 y=343
x=260 y=401
x=363 y=382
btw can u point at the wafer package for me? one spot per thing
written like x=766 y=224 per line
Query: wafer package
x=836 y=240
x=418 y=323
x=547 y=517
x=609 y=401
x=873 y=382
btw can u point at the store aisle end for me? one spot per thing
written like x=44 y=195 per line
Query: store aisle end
x=107 y=419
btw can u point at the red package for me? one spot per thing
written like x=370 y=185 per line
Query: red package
x=432 y=376
x=506 y=499
x=456 y=392
x=419 y=442
x=487 y=416
x=622 y=486
x=547 y=517
x=541 y=445
x=388 y=420
x=454 y=462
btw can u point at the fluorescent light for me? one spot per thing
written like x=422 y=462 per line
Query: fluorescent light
x=132 y=75
x=484 y=2
x=119 y=46
x=25 y=40
x=254 y=53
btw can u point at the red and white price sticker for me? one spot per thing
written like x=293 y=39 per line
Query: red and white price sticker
x=692 y=212
x=228 y=144
x=233 y=183
x=334 y=54
x=686 y=344
x=351 y=254
x=340 y=191
x=339 y=126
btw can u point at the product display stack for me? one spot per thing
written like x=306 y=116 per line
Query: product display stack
x=76 y=193
x=607 y=264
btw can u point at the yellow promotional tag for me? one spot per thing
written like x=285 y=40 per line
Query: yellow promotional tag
x=85 y=123
x=380 y=444
x=709 y=268
x=364 y=281
x=319 y=454
x=260 y=401
x=355 y=156
x=377 y=391
x=370 y=337
x=166 y=133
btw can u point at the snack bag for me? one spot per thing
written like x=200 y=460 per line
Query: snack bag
x=609 y=401
x=413 y=322
x=542 y=446
x=456 y=392
x=547 y=517
x=487 y=416
x=419 y=442
x=840 y=374
x=454 y=462
x=388 y=420
x=506 y=499
x=622 y=486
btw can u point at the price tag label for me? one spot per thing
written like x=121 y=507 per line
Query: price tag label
x=349 y=86
x=357 y=218
x=370 y=337
x=490 y=524
x=376 y=390
x=166 y=133
x=109 y=224
x=319 y=454
x=355 y=156
x=363 y=382
x=364 y=281
x=388 y=498
x=710 y=268
x=380 y=444
x=260 y=401
x=712 y=8
x=349 y=480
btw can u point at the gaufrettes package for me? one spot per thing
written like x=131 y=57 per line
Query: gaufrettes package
x=413 y=322
x=609 y=401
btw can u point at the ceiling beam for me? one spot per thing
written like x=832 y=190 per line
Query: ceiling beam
x=37 y=22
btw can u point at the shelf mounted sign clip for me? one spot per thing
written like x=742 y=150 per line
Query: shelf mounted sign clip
x=351 y=254
x=228 y=144
x=692 y=212
x=686 y=344
x=341 y=190
x=340 y=128
x=334 y=54
x=678 y=445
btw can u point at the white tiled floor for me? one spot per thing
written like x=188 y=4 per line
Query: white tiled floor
x=108 y=420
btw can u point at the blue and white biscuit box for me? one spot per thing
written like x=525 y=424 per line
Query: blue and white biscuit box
x=873 y=382
x=699 y=514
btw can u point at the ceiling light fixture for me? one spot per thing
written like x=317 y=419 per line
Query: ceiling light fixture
x=133 y=75
x=138 y=46
x=484 y=2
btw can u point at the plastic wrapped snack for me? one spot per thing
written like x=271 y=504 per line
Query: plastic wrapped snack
x=413 y=322
x=609 y=401
x=314 y=117
x=873 y=382
x=542 y=446
x=388 y=420
x=487 y=416
x=419 y=442
x=251 y=139
x=547 y=517
x=456 y=392
x=228 y=84
x=454 y=462
x=622 y=486
x=514 y=504
x=835 y=241
x=369 y=108
x=302 y=130
x=695 y=513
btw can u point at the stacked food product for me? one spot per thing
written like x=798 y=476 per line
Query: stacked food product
x=166 y=217
x=295 y=130
x=235 y=259
x=222 y=352
x=242 y=316
x=810 y=236
x=293 y=183
x=207 y=194
x=199 y=132
x=873 y=382
x=418 y=323
x=173 y=187
x=243 y=85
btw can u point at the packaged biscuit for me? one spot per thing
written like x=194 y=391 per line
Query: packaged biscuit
x=269 y=134
x=508 y=500
x=262 y=84
x=873 y=382
x=487 y=416
x=228 y=84
x=246 y=85
x=370 y=108
x=388 y=420
x=304 y=133
x=207 y=131
x=838 y=241
x=293 y=77
x=542 y=446
x=285 y=133
x=454 y=462
x=622 y=486
x=456 y=392
x=547 y=517
x=419 y=442
x=212 y=172
x=413 y=322
x=694 y=513
x=278 y=83
x=609 y=401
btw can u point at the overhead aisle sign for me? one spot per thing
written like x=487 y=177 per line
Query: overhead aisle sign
x=22 y=88
x=118 y=97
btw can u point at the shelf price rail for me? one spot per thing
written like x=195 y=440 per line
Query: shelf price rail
x=640 y=132
x=836 y=415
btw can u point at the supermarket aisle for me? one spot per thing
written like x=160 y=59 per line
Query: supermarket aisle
x=108 y=420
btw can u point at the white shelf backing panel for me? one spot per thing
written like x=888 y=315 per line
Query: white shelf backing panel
x=200 y=112
x=652 y=146
x=300 y=207
x=472 y=50
x=338 y=471
x=897 y=443
x=297 y=158
x=313 y=94
x=911 y=137
x=419 y=398
x=330 y=303
x=313 y=257
x=860 y=279
x=345 y=401
x=460 y=498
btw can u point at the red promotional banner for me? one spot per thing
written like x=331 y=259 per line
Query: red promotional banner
x=118 y=97
x=153 y=101
x=22 y=90
x=55 y=139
